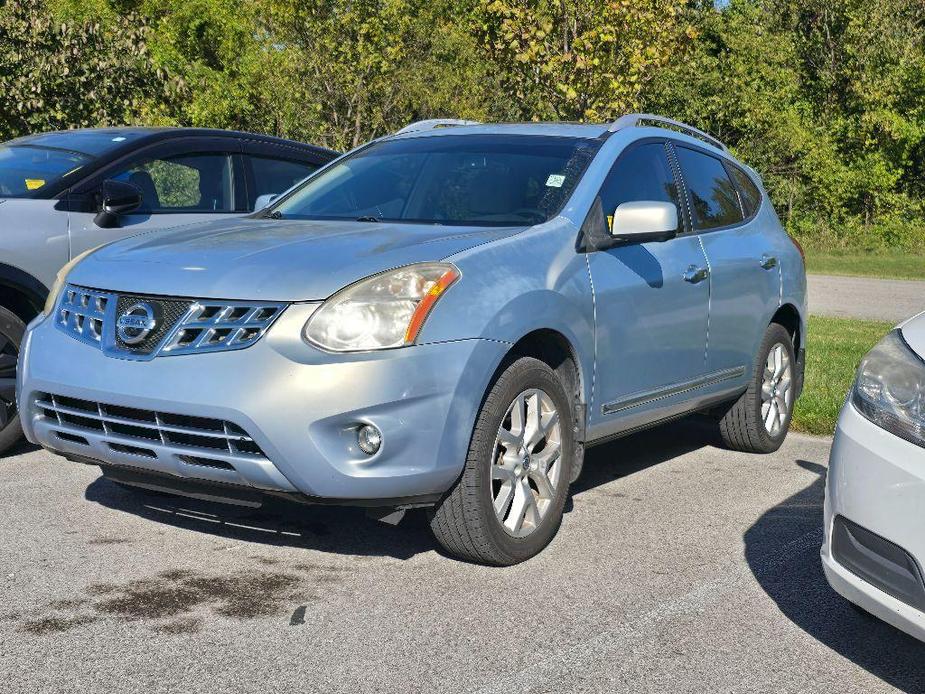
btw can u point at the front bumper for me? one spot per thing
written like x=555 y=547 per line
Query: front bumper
x=877 y=481
x=299 y=405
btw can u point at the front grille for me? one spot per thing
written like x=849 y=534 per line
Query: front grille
x=190 y=434
x=82 y=313
x=167 y=312
x=181 y=326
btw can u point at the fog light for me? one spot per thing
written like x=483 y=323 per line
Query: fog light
x=369 y=439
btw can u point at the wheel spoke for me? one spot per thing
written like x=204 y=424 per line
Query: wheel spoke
x=771 y=416
x=503 y=500
x=543 y=484
x=515 y=519
x=519 y=416
x=547 y=456
x=501 y=472
x=509 y=440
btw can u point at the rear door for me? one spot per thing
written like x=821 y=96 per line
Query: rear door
x=744 y=272
x=651 y=309
x=182 y=181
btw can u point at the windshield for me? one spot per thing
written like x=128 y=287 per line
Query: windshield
x=471 y=180
x=26 y=169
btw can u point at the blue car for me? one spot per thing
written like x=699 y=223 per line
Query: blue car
x=444 y=318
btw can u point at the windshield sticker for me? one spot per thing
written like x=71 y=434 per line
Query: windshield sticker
x=34 y=183
x=555 y=181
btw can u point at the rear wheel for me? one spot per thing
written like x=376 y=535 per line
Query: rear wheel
x=508 y=503
x=12 y=330
x=759 y=420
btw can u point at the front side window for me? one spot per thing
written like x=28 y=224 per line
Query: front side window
x=713 y=197
x=186 y=183
x=472 y=180
x=641 y=174
x=25 y=169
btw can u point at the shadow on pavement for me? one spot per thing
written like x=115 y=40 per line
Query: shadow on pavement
x=796 y=582
x=349 y=531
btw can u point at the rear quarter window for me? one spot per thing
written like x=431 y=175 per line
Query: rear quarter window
x=748 y=191
x=713 y=197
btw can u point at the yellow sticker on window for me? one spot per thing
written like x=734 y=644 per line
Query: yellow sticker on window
x=34 y=183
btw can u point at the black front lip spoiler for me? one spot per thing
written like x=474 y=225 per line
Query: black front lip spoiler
x=238 y=495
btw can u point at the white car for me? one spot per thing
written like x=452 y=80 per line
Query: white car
x=874 y=542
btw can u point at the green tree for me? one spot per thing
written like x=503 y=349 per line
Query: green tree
x=58 y=74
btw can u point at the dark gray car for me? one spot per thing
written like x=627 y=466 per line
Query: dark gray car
x=64 y=193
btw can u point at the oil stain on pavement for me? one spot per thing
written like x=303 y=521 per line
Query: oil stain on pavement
x=173 y=599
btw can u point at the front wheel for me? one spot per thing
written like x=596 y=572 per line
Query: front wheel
x=12 y=330
x=759 y=420
x=508 y=503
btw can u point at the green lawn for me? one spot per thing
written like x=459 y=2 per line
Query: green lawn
x=900 y=266
x=834 y=350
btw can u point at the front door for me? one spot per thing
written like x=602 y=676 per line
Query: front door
x=181 y=182
x=651 y=304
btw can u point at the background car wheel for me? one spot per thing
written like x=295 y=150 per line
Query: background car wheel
x=12 y=330
x=759 y=420
x=508 y=503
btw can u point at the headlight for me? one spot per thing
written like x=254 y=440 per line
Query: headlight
x=61 y=280
x=890 y=389
x=382 y=311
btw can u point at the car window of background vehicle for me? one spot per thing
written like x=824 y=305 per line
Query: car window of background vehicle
x=193 y=183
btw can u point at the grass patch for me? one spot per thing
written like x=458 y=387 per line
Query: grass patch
x=898 y=266
x=835 y=348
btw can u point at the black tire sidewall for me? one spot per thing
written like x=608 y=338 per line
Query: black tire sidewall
x=522 y=375
x=11 y=327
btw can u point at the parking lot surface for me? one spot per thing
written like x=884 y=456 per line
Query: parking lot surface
x=680 y=567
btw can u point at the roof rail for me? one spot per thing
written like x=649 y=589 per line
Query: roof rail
x=632 y=120
x=434 y=123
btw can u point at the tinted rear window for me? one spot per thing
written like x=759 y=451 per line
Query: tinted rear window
x=713 y=197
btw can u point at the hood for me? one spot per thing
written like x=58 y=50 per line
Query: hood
x=269 y=260
x=913 y=331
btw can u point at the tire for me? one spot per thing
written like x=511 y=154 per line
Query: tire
x=465 y=522
x=12 y=330
x=743 y=425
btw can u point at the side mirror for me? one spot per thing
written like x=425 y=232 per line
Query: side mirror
x=646 y=220
x=264 y=200
x=118 y=198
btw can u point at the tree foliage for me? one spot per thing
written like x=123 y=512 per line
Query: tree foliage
x=826 y=98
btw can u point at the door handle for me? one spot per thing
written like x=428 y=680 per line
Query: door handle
x=768 y=261
x=696 y=274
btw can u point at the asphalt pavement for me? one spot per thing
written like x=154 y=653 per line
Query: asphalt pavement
x=868 y=298
x=680 y=567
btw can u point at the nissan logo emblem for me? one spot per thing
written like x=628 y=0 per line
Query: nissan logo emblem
x=136 y=323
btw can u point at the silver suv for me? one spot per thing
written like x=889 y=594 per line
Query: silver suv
x=64 y=193
x=445 y=318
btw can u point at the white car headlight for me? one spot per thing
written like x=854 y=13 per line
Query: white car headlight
x=890 y=389
x=382 y=311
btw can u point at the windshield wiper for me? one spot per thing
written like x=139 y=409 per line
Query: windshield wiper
x=368 y=218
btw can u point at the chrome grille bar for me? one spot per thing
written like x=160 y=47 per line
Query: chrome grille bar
x=228 y=437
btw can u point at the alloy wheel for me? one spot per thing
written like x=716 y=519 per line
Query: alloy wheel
x=526 y=470
x=776 y=391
